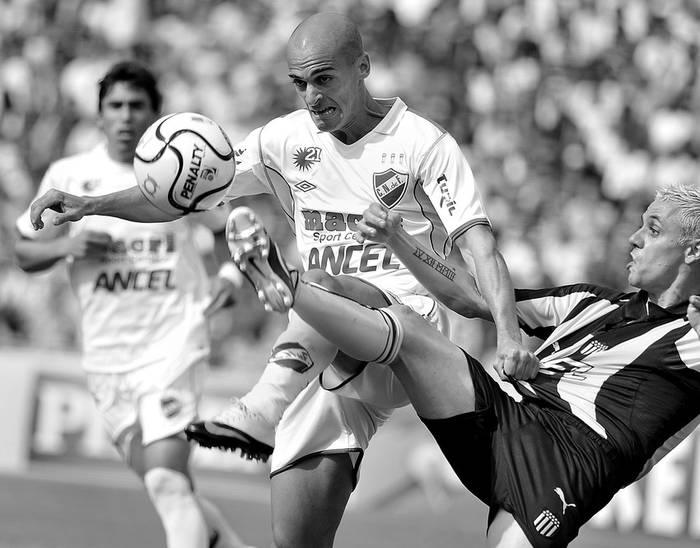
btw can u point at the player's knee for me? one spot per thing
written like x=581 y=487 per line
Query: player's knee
x=408 y=321
x=167 y=488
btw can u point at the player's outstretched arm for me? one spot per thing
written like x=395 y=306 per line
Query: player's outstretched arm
x=129 y=204
x=451 y=282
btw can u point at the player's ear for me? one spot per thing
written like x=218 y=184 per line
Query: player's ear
x=363 y=65
x=692 y=251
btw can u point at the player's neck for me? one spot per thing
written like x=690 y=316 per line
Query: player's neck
x=680 y=290
x=120 y=154
x=369 y=117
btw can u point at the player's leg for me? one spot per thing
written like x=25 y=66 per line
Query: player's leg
x=248 y=424
x=504 y=532
x=188 y=519
x=319 y=447
x=161 y=458
x=431 y=369
x=163 y=467
x=309 y=499
x=298 y=356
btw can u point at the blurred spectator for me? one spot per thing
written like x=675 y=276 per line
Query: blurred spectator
x=570 y=111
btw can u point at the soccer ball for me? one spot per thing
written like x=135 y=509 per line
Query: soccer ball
x=184 y=162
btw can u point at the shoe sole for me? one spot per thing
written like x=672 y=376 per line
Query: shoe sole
x=258 y=259
x=249 y=447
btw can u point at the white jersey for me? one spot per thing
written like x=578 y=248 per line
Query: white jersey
x=143 y=304
x=407 y=163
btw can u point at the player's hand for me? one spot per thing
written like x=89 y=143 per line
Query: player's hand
x=378 y=224
x=514 y=361
x=694 y=313
x=222 y=295
x=68 y=207
x=88 y=244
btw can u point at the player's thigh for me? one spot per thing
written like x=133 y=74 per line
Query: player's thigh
x=504 y=532
x=434 y=371
x=309 y=499
x=351 y=287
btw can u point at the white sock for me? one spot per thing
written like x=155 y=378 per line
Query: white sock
x=171 y=494
x=299 y=356
x=276 y=390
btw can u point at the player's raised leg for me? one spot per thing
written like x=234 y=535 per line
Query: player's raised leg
x=299 y=354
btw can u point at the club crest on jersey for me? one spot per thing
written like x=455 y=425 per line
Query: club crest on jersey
x=390 y=186
x=593 y=346
x=305 y=156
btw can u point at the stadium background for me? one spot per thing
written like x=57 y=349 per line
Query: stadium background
x=570 y=112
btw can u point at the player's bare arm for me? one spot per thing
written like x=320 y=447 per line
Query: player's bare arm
x=513 y=360
x=129 y=204
x=450 y=281
x=36 y=255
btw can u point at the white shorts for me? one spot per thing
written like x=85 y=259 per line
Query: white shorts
x=337 y=414
x=147 y=401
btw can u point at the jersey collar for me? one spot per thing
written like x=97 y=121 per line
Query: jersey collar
x=639 y=307
x=393 y=117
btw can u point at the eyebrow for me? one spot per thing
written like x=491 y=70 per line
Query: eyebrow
x=315 y=72
x=652 y=217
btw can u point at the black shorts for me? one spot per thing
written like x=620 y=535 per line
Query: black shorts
x=544 y=466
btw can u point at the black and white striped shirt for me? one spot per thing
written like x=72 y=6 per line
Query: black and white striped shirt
x=626 y=367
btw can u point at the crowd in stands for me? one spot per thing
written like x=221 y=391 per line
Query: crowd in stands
x=570 y=112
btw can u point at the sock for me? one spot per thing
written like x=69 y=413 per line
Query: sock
x=373 y=335
x=299 y=355
x=171 y=494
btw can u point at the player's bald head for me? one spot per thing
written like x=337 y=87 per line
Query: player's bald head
x=331 y=33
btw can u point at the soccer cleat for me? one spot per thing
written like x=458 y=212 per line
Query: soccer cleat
x=236 y=427
x=260 y=260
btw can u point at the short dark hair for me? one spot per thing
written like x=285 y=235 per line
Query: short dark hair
x=134 y=73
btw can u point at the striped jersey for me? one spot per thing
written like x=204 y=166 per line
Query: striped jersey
x=406 y=162
x=143 y=304
x=625 y=366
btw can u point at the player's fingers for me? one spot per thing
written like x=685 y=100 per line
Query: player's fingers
x=367 y=231
x=62 y=218
x=499 y=367
x=695 y=301
x=48 y=200
x=533 y=366
x=375 y=218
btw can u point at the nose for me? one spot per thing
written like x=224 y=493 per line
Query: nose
x=312 y=95
x=125 y=113
x=635 y=240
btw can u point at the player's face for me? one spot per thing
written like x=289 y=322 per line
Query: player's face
x=126 y=113
x=657 y=254
x=330 y=86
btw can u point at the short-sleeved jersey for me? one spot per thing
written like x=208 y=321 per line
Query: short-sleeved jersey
x=143 y=303
x=625 y=366
x=406 y=162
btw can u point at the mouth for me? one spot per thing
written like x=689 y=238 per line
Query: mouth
x=322 y=112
